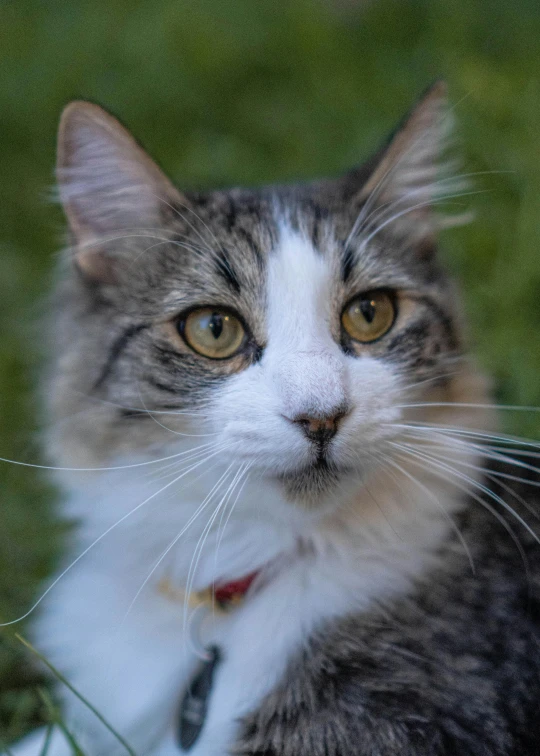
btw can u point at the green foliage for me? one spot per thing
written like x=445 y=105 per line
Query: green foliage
x=250 y=91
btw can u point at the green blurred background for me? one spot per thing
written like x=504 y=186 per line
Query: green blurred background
x=250 y=91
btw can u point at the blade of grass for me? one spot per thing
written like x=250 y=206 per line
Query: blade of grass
x=57 y=720
x=47 y=742
x=59 y=676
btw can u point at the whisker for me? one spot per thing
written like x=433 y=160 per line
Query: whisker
x=494 y=475
x=155 y=410
x=99 y=469
x=221 y=535
x=430 y=203
x=385 y=178
x=242 y=473
x=243 y=468
x=183 y=218
x=171 y=545
x=161 y=473
x=393 y=476
x=435 y=378
x=206 y=226
x=472 y=482
x=454 y=181
x=483 y=503
x=494 y=452
x=511 y=407
x=176 y=433
x=473 y=433
x=202 y=537
x=100 y=538
x=446 y=514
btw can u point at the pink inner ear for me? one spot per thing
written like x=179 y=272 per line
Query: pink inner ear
x=412 y=161
x=108 y=184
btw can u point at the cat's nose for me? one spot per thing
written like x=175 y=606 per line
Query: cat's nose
x=320 y=430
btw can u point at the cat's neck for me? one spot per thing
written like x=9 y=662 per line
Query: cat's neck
x=375 y=538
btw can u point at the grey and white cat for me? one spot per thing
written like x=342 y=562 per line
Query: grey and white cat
x=269 y=388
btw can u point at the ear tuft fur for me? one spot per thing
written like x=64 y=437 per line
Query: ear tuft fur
x=415 y=172
x=107 y=183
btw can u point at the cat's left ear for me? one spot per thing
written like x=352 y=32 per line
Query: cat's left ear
x=413 y=172
x=108 y=186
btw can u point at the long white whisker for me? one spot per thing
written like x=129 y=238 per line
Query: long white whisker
x=466 y=432
x=511 y=407
x=242 y=473
x=109 y=403
x=100 y=538
x=176 y=433
x=183 y=218
x=171 y=545
x=494 y=452
x=476 y=484
x=446 y=514
x=466 y=447
x=172 y=468
x=479 y=499
x=365 y=241
x=451 y=181
x=221 y=535
x=202 y=537
x=385 y=178
x=435 y=378
x=100 y=469
x=236 y=479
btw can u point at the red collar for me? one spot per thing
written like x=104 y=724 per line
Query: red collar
x=224 y=596
x=231 y=594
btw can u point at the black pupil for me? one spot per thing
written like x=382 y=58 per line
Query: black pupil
x=216 y=324
x=367 y=308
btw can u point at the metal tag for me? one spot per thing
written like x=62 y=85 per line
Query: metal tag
x=194 y=706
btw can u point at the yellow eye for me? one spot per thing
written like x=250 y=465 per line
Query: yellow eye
x=213 y=332
x=369 y=316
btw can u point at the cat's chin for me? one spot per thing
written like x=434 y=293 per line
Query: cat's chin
x=313 y=483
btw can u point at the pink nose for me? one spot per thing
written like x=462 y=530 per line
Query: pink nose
x=320 y=430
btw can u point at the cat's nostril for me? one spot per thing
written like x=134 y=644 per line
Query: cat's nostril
x=319 y=429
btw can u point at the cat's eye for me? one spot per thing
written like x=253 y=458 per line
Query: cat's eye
x=212 y=332
x=369 y=316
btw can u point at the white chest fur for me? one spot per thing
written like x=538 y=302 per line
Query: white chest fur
x=126 y=649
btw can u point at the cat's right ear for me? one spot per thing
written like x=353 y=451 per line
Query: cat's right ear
x=108 y=185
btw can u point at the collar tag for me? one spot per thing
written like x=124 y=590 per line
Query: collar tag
x=194 y=706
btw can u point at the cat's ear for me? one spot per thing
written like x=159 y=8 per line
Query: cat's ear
x=414 y=172
x=108 y=184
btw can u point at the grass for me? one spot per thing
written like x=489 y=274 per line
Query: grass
x=236 y=91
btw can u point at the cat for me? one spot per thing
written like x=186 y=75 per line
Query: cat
x=296 y=533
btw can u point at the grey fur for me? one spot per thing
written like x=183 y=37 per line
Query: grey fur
x=451 y=669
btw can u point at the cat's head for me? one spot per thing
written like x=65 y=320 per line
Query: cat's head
x=289 y=326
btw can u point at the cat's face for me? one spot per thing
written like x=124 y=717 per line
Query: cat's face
x=287 y=326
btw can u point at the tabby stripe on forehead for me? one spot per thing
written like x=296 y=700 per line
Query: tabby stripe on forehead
x=347 y=263
x=318 y=215
x=250 y=241
x=225 y=269
x=116 y=350
x=230 y=215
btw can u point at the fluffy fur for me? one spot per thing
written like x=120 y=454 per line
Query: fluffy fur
x=194 y=471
